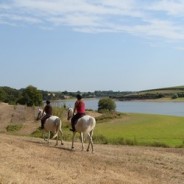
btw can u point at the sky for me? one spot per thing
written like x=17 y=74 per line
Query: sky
x=89 y=45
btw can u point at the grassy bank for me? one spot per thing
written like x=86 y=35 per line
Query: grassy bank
x=142 y=129
x=115 y=128
x=134 y=129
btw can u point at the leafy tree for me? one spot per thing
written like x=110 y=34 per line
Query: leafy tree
x=2 y=95
x=106 y=104
x=8 y=95
x=31 y=96
x=174 y=96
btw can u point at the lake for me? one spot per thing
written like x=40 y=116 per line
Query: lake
x=165 y=108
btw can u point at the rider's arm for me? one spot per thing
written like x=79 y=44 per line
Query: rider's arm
x=75 y=107
x=43 y=111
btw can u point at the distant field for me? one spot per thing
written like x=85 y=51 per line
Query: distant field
x=142 y=129
x=161 y=94
x=168 y=90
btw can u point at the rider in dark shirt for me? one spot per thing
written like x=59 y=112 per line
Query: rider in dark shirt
x=48 y=112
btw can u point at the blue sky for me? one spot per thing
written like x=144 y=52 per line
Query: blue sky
x=88 y=45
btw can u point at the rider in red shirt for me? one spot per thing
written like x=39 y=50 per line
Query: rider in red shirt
x=79 y=109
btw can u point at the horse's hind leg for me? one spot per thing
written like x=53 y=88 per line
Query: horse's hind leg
x=48 y=137
x=82 y=140
x=57 y=140
x=44 y=137
x=90 y=135
x=73 y=139
x=61 y=134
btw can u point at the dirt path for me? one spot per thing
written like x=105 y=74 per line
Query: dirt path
x=31 y=161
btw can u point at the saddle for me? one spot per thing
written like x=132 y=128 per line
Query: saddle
x=75 y=119
x=44 y=119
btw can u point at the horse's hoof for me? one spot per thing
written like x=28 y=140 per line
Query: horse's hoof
x=62 y=143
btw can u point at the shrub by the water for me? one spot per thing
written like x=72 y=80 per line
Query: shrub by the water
x=106 y=104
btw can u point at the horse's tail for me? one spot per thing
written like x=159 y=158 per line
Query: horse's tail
x=93 y=122
x=58 y=127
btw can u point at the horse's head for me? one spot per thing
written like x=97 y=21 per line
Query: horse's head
x=39 y=114
x=70 y=113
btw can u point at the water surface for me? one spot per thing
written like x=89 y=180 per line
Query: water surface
x=165 y=108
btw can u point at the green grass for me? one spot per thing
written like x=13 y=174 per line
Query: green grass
x=142 y=129
x=13 y=127
x=131 y=129
x=67 y=135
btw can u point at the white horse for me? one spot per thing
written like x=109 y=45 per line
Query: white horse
x=84 y=125
x=52 y=124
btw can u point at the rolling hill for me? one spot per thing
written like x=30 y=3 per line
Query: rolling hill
x=159 y=93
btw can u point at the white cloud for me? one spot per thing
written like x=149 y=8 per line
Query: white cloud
x=171 y=7
x=162 y=29
x=15 y=17
x=158 y=18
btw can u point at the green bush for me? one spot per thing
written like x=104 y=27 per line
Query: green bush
x=174 y=96
x=31 y=96
x=106 y=104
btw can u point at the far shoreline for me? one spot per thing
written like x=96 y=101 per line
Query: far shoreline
x=154 y=100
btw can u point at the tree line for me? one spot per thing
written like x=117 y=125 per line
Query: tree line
x=26 y=96
x=32 y=96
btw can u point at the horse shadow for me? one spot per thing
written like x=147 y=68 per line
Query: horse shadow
x=50 y=145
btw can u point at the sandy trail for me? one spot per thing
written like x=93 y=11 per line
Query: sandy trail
x=31 y=160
